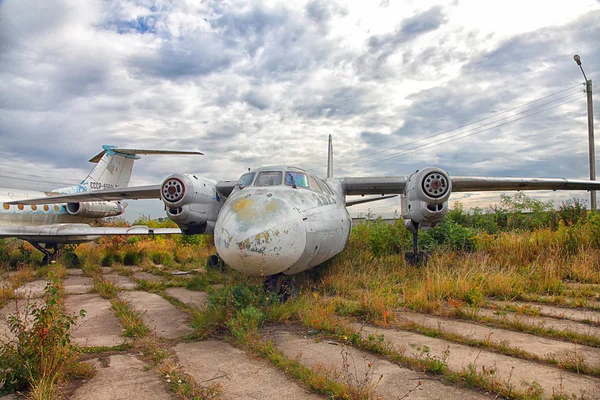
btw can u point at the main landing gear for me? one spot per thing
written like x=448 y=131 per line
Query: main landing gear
x=415 y=257
x=52 y=251
x=282 y=285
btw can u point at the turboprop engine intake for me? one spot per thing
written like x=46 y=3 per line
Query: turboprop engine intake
x=425 y=201
x=96 y=209
x=192 y=202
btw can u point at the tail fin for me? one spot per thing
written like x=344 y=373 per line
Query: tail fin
x=113 y=168
x=330 y=159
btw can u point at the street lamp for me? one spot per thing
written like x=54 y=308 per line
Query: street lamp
x=590 y=110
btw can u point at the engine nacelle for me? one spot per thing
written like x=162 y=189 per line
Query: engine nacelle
x=96 y=209
x=425 y=201
x=192 y=202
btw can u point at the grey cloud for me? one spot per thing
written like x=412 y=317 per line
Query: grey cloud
x=257 y=99
x=425 y=21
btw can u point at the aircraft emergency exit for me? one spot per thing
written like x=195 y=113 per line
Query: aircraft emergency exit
x=284 y=220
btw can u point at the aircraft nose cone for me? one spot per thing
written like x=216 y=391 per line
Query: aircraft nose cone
x=260 y=235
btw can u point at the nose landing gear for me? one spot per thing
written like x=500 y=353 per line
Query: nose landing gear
x=282 y=285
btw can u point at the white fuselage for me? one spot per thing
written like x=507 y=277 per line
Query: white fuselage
x=264 y=231
x=33 y=215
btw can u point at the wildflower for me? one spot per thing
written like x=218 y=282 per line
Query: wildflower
x=179 y=381
x=168 y=381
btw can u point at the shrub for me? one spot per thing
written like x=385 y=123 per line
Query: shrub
x=132 y=257
x=41 y=355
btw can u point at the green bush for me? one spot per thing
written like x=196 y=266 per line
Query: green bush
x=449 y=235
x=132 y=257
x=42 y=348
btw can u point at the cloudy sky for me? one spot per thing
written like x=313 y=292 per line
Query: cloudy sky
x=477 y=88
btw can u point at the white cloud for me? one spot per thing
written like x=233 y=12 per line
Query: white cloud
x=254 y=83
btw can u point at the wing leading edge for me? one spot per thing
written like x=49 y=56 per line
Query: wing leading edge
x=128 y=193
x=396 y=184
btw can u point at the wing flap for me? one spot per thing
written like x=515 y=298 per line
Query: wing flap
x=374 y=185
x=128 y=193
x=354 y=202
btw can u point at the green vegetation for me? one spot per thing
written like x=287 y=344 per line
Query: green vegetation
x=522 y=249
x=39 y=356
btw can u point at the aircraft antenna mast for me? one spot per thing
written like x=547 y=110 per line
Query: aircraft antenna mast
x=330 y=158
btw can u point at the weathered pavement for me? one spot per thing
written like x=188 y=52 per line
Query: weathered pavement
x=122 y=377
x=367 y=368
x=159 y=315
x=241 y=376
x=99 y=327
x=539 y=346
x=520 y=373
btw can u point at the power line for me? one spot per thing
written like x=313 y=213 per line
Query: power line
x=34 y=180
x=479 y=120
x=454 y=137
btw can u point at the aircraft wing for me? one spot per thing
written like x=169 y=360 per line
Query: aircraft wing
x=488 y=184
x=396 y=184
x=132 y=193
x=72 y=230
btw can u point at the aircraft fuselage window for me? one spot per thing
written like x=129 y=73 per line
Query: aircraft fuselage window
x=271 y=178
x=246 y=180
x=296 y=178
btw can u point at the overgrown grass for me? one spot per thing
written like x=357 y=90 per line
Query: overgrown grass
x=131 y=319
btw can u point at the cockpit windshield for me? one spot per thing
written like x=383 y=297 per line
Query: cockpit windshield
x=268 y=178
x=246 y=180
x=297 y=179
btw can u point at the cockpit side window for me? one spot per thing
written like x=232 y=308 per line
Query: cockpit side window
x=314 y=185
x=326 y=189
x=268 y=178
x=297 y=179
x=246 y=180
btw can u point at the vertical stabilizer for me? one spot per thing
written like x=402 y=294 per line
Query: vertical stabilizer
x=113 y=168
x=330 y=158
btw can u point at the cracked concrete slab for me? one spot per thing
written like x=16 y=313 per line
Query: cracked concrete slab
x=147 y=276
x=241 y=377
x=546 y=322
x=159 y=315
x=366 y=368
x=75 y=271
x=189 y=297
x=19 y=308
x=99 y=327
x=540 y=346
x=78 y=284
x=122 y=377
x=552 y=311
x=32 y=289
x=122 y=281
x=520 y=373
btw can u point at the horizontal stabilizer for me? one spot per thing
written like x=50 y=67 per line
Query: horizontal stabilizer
x=135 y=152
x=367 y=200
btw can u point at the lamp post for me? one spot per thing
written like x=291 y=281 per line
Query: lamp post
x=590 y=111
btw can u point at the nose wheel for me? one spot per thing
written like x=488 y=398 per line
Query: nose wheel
x=282 y=285
x=214 y=262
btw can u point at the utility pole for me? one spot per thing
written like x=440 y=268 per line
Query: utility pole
x=590 y=111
